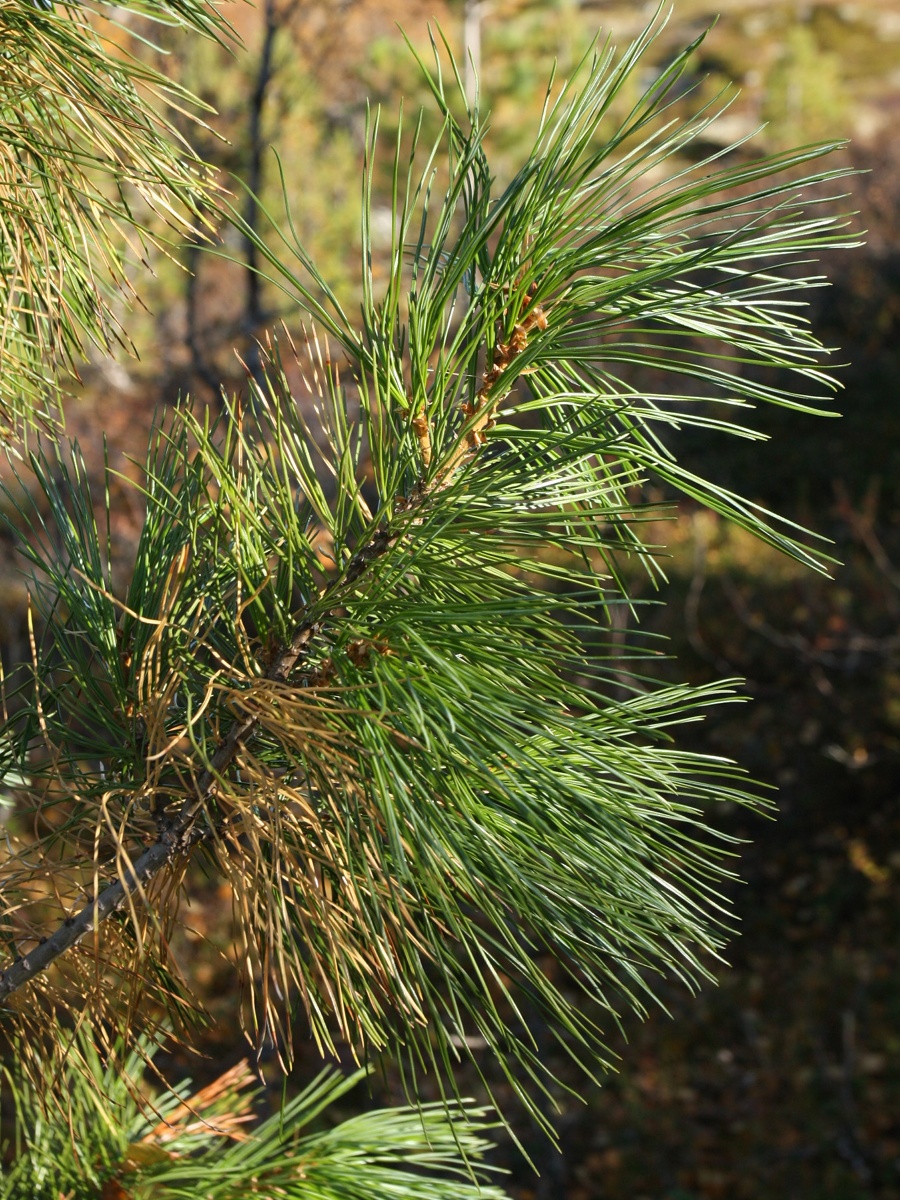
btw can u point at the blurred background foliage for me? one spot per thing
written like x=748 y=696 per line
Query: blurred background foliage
x=785 y=1080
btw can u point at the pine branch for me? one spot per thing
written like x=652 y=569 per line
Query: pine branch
x=103 y=1131
x=87 y=170
x=178 y=835
x=394 y=734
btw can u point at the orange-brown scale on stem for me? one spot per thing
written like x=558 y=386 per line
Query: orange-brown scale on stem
x=422 y=430
x=480 y=416
x=360 y=651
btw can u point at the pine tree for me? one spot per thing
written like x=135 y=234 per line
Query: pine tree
x=363 y=669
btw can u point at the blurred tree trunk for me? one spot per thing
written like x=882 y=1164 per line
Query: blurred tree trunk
x=472 y=43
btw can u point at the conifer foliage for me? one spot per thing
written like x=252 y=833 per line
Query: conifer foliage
x=363 y=668
x=202 y=1142
x=89 y=174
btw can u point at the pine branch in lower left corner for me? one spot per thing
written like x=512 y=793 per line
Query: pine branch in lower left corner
x=102 y=1133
